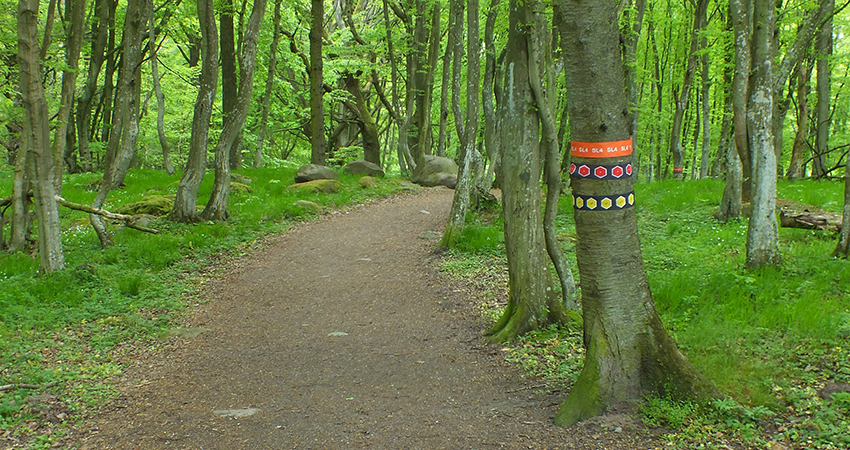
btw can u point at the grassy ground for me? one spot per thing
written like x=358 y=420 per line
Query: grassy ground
x=769 y=339
x=67 y=329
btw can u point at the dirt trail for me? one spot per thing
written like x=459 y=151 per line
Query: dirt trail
x=341 y=334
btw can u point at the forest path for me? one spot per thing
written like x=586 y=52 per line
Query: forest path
x=341 y=334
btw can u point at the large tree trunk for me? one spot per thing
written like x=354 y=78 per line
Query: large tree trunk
x=460 y=204
x=532 y=302
x=36 y=139
x=795 y=167
x=267 y=94
x=368 y=127
x=217 y=206
x=762 y=232
x=75 y=11
x=319 y=144
x=823 y=47
x=160 y=100
x=185 y=202
x=684 y=95
x=629 y=353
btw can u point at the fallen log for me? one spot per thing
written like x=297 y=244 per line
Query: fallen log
x=810 y=220
x=129 y=221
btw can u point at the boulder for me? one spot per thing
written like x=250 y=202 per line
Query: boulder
x=324 y=186
x=435 y=171
x=310 y=172
x=363 y=168
x=367 y=182
x=308 y=205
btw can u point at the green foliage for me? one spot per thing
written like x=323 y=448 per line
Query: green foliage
x=72 y=327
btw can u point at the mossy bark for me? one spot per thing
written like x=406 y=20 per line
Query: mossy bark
x=629 y=353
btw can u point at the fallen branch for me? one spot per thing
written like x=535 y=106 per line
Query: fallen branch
x=810 y=220
x=9 y=387
x=130 y=221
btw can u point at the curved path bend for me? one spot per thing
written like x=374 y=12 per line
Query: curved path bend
x=341 y=334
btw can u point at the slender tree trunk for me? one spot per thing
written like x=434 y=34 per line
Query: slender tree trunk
x=75 y=12
x=457 y=66
x=684 y=95
x=425 y=53
x=20 y=201
x=742 y=26
x=705 y=157
x=795 y=167
x=100 y=34
x=267 y=94
x=823 y=45
x=762 y=232
x=217 y=205
x=318 y=142
x=532 y=302
x=36 y=138
x=460 y=204
x=160 y=101
x=629 y=353
x=185 y=202
x=630 y=42
x=229 y=79
x=731 y=202
x=491 y=136
x=446 y=81
x=368 y=127
x=843 y=247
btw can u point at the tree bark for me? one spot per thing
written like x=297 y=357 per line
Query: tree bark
x=100 y=34
x=460 y=204
x=160 y=100
x=229 y=79
x=491 y=136
x=442 y=136
x=629 y=353
x=684 y=95
x=185 y=202
x=823 y=47
x=318 y=142
x=36 y=137
x=742 y=26
x=795 y=167
x=705 y=156
x=457 y=67
x=425 y=51
x=75 y=11
x=267 y=94
x=216 y=208
x=762 y=232
x=532 y=303
x=368 y=127
x=843 y=247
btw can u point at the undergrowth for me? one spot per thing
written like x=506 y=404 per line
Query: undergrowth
x=67 y=331
x=770 y=339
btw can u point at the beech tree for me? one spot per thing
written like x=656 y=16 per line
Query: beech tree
x=318 y=141
x=532 y=301
x=628 y=352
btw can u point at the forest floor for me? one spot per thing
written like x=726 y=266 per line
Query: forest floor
x=341 y=333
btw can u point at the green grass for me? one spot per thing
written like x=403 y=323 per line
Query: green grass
x=768 y=339
x=71 y=327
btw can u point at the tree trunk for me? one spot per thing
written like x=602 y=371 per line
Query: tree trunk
x=217 y=206
x=491 y=136
x=36 y=137
x=446 y=81
x=629 y=353
x=457 y=66
x=267 y=94
x=823 y=47
x=705 y=157
x=425 y=51
x=631 y=36
x=75 y=11
x=532 y=303
x=742 y=26
x=541 y=68
x=762 y=232
x=368 y=128
x=229 y=79
x=318 y=142
x=20 y=201
x=843 y=247
x=160 y=100
x=684 y=95
x=185 y=202
x=460 y=204
x=795 y=167
x=100 y=34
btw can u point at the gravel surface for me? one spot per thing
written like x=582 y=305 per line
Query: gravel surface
x=341 y=334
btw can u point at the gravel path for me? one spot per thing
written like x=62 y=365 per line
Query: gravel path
x=341 y=334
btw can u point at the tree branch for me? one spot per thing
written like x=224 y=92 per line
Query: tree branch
x=130 y=221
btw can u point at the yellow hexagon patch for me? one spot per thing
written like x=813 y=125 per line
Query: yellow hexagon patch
x=606 y=203
x=591 y=203
x=621 y=201
x=632 y=198
x=579 y=202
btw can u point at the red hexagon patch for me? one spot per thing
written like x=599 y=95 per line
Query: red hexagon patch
x=600 y=172
x=584 y=170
